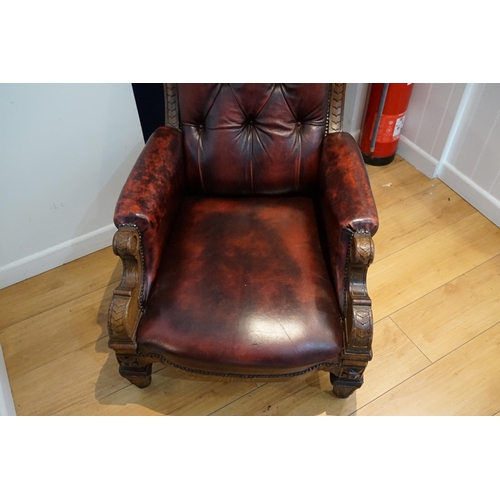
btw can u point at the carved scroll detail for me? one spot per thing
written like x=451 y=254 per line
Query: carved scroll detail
x=171 y=105
x=358 y=332
x=125 y=308
x=336 y=109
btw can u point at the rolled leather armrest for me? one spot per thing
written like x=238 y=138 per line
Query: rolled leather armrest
x=346 y=201
x=151 y=196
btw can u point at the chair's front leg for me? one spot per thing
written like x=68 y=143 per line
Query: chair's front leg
x=125 y=309
x=135 y=369
x=358 y=319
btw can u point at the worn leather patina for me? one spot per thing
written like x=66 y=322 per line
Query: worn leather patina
x=151 y=196
x=243 y=285
x=347 y=203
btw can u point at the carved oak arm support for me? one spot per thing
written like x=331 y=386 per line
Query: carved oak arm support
x=125 y=309
x=358 y=320
x=358 y=317
x=347 y=205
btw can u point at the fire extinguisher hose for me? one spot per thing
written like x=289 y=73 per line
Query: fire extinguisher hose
x=379 y=117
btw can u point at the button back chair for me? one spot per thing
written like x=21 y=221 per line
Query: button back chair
x=245 y=231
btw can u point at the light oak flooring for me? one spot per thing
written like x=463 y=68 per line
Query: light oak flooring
x=436 y=299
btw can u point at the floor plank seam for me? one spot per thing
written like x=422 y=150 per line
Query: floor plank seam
x=467 y=342
x=58 y=305
x=419 y=240
x=111 y=393
x=381 y=319
x=423 y=239
x=441 y=286
x=234 y=401
x=53 y=360
x=427 y=367
x=409 y=338
x=60 y=412
x=392 y=388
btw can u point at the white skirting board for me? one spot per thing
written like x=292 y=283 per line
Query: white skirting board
x=417 y=157
x=6 y=402
x=55 y=256
x=479 y=198
x=474 y=194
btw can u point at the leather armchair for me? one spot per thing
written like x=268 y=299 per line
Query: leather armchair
x=245 y=231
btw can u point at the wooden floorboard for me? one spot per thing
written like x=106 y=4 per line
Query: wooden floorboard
x=69 y=327
x=455 y=313
x=420 y=268
x=397 y=182
x=436 y=297
x=464 y=382
x=171 y=393
x=418 y=217
x=53 y=288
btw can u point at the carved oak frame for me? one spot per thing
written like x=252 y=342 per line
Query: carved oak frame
x=127 y=306
x=358 y=318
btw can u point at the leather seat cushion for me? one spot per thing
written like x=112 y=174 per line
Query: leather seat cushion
x=243 y=289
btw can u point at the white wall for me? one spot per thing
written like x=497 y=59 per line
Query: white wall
x=452 y=131
x=354 y=107
x=472 y=166
x=428 y=122
x=65 y=152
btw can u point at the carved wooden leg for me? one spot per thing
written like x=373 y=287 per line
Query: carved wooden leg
x=135 y=370
x=346 y=384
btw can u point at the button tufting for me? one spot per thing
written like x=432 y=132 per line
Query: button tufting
x=201 y=126
x=251 y=122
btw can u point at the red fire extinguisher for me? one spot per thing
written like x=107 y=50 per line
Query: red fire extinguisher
x=384 y=119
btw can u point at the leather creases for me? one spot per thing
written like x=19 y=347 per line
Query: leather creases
x=252 y=138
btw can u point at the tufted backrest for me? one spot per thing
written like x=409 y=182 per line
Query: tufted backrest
x=252 y=138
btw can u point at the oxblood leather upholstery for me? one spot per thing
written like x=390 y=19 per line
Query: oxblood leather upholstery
x=243 y=287
x=347 y=203
x=151 y=196
x=242 y=139
x=245 y=218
